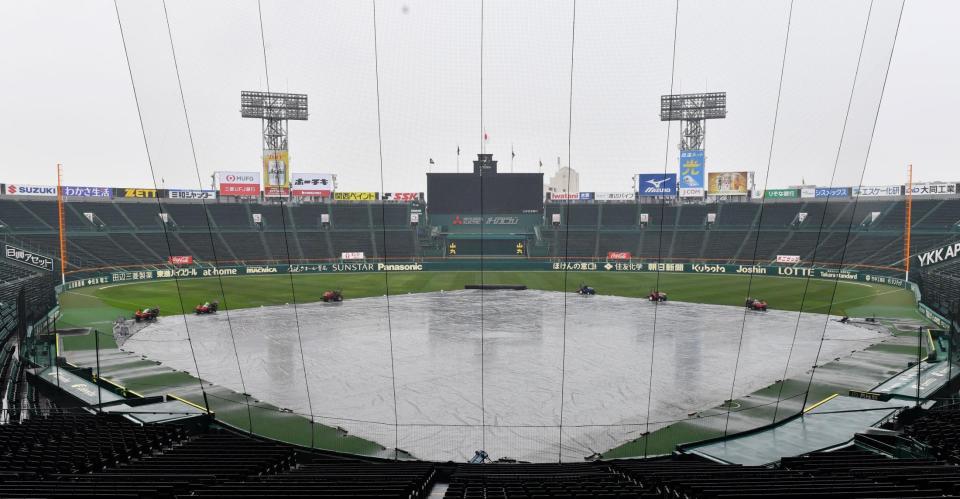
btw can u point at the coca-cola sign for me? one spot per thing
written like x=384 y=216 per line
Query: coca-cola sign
x=181 y=260
x=618 y=255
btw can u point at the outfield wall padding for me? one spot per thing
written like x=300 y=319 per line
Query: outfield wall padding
x=486 y=265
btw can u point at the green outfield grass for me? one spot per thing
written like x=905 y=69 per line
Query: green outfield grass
x=98 y=306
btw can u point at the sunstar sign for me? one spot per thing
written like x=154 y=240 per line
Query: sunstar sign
x=939 y=255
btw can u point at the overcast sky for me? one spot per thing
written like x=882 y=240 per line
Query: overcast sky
x=67 y=94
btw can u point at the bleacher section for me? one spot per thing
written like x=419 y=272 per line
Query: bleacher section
x=79 y=454
x=133 y=235
x=682 y=233
x=843 y=473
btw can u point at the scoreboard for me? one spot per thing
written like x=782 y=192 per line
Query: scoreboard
x=493 y=193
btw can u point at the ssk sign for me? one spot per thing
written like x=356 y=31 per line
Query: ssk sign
x=30 y=190
x=948 y=252
x=788 y=258
x=28 y=257
x=402 y=196
x=180 y=260
x=618 y=255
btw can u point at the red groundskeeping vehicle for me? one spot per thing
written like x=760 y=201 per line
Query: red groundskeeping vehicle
x=657 y=296
x=209 y=307
x=332 y=295
x=758 y=305
x=146 y=314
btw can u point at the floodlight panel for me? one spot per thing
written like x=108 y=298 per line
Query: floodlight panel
x=273 y=105
x=704 y=106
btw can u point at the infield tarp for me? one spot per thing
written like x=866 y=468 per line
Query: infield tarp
x=452 y=401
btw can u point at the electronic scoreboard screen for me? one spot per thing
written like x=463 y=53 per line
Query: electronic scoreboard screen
x=460 y=193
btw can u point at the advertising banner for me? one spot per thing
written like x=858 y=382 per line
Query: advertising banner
x=728 y=183
x=352 y=255
x=403 y=196
x=781 y=193
x=508 y=264
x=180 y=260
x=788 y=258
x=311 y=184
x=618 y=255
x=28 y=257
x=831 y=192
x=30 y=190
x=656 y=184
x=127 y=192
x=692 y=173
x=239 y=183
x=558 y=196
x=585 y=196
x=865 y=191
x=356 y=196
x=276 y=172
x=615 y=196
x=87 y=192
x=933 y=188
x=939 y=255
x=808 y=192
x=192 y=194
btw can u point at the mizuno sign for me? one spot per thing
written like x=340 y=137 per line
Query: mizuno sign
x=657 y=184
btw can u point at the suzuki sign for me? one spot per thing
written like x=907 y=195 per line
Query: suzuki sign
x=30 y=190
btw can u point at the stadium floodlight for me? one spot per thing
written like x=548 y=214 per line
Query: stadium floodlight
x=692 y=110
x=273 y=105
x=275 y=109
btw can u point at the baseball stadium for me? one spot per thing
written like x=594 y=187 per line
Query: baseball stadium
x=492 y=329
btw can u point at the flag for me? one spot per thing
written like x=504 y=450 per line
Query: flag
x=558 y=161
x=512 y=154
x=486 y=136
x=541 y=164
x=431 y=161
x=458 y=149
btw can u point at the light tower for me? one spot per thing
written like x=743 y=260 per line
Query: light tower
x=274 y=110
x=693 y=110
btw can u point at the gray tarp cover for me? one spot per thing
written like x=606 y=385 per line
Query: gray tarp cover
x=441 y=402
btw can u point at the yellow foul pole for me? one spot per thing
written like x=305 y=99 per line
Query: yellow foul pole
x=907 y=223
x=63 y=241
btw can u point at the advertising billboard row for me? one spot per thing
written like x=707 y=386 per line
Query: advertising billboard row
x=311 y=184
x=276 y=173
x=656 y=184
x=728 y=183
x=865 y=191
x=692 y=169
x=781 y=193
x=239 y=183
